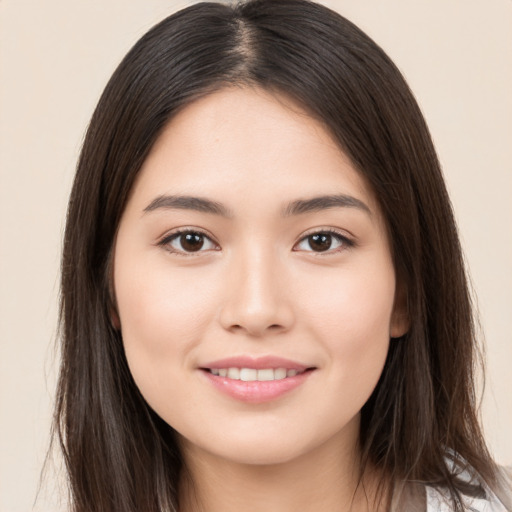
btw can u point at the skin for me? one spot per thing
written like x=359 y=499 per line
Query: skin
x=257 y=286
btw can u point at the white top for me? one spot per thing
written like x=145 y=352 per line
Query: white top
x=438 y=502
x=421 y=498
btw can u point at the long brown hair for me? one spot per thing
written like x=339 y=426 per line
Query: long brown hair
x=119 y=454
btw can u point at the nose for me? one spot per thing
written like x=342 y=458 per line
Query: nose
x=256 y=301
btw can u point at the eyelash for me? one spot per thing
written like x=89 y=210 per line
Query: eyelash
x=165 y=242
x=346 y=242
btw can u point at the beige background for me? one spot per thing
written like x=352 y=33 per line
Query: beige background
x=55 y=58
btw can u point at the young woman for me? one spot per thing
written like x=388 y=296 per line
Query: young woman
x=264 y=304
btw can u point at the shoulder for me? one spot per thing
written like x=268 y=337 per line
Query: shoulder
x=417 y=497
x=497 y=499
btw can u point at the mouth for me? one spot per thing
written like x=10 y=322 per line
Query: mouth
x=256 y=380
x=256 y=374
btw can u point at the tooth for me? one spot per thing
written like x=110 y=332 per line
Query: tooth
x=279 y=373
x=234 y=373
x=266 y=374
x=251 y=374
x=248 y=374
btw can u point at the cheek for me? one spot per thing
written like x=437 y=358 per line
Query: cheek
x=148 y=307
x=352 y=321
x=356 y=299
x=163 y=314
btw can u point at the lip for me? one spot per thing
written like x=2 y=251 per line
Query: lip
x=258 y=363
x=256 y=392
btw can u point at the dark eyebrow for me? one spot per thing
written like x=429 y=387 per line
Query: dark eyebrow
x=297 y=207
x=188 y=203
x=319 y=203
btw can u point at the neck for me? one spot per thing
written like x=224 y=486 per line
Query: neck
x=320 y=480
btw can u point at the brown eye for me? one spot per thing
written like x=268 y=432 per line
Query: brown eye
x=187 y=242
x=324 y=241
x=191 y=242
x=320 y=242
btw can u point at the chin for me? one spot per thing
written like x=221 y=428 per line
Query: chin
x=259 y=448
x=267 y=456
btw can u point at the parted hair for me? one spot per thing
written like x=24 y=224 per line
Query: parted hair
x=120 y=456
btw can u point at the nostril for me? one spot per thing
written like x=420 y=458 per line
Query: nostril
x=236 y=317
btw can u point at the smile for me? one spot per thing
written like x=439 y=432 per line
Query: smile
x=256 y=380
x=253 y=374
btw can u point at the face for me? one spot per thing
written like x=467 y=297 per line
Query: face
x=254 y=282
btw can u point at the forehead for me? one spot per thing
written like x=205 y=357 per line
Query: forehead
x=249 y=145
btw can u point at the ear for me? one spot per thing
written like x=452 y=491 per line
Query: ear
x=114 y=319
x=400 y=320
